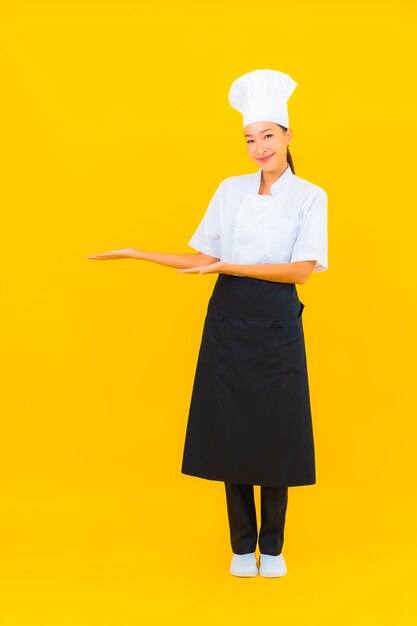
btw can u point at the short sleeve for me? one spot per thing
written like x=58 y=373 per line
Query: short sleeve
x=311 y=241
x=206 y=237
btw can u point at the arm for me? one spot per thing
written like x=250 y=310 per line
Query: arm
x=295 y=272
x=174 y=260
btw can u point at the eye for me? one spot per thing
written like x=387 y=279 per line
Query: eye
x=269 y=135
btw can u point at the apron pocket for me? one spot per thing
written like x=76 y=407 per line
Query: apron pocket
x=248 y=343
x=285 y=350
x=283 y=324
x=215 y=342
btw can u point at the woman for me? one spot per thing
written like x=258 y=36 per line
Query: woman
x=250 y=420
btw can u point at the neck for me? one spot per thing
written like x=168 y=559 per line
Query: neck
x=268 y=179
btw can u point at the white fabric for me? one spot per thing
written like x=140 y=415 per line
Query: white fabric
x=243 y=227
x=244 y=564
x=272 y=566
x=262 y=95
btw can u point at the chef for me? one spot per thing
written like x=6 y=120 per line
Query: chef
x=250 y=419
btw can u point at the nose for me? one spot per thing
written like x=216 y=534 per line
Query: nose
x=260 y=150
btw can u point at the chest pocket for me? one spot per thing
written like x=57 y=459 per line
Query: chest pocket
x=279 y=236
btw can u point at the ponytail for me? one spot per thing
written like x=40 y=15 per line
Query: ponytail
x=289 y=157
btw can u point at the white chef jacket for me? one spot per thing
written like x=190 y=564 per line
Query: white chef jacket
x=243 y=227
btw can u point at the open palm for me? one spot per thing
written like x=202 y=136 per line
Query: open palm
x=125 y=253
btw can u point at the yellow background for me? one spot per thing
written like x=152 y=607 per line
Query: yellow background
x=116 y=130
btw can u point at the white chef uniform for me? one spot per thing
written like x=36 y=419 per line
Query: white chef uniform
x=241 y=226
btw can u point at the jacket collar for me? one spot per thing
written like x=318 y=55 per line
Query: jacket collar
x=279 y=184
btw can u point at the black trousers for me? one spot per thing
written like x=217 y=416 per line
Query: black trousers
x=242 y=518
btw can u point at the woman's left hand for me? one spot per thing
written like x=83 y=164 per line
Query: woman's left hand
x=203 y=269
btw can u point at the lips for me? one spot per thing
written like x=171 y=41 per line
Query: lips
x=266 y=158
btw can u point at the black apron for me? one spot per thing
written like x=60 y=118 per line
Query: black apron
x=249 y=420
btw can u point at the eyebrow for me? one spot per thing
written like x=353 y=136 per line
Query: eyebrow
x=261 y=131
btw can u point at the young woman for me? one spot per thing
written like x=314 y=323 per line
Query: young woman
x=250 y=420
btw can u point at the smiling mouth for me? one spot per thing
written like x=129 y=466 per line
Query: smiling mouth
x=265 y=158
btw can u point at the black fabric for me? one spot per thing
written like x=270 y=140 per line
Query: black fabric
x=250 y=420
x=241 y=513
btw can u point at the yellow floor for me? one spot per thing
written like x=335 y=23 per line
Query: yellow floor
x=101 y=559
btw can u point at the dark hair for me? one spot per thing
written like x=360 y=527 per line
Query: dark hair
x=289 y=157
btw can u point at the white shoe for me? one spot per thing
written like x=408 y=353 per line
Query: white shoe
x=272 y=566
x=244 y=565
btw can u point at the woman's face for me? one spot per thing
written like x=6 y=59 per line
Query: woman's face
x=264 y=139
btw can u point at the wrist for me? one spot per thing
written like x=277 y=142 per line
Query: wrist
x=226 y=268
x=135 y=254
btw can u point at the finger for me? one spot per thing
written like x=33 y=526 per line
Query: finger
x=105 y=255
x=189 y=269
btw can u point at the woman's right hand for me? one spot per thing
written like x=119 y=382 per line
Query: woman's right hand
x=125 y=253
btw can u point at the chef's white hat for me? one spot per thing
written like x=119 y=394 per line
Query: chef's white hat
x=262 y=95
